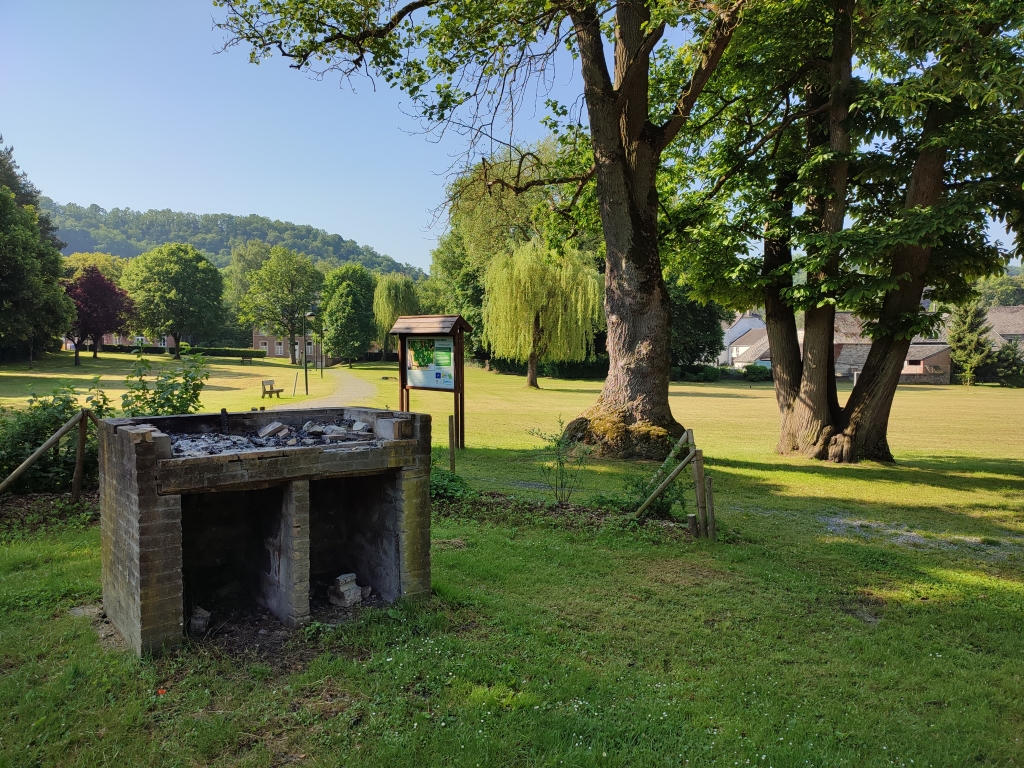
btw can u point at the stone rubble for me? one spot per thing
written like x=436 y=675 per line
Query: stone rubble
x=344 y=592
x=274 y=435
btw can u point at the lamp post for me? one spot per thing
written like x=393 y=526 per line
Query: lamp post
x=305 y=357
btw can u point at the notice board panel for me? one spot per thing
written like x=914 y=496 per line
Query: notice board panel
x=430 y=362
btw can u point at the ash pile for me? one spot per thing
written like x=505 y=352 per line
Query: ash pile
x=275 y=435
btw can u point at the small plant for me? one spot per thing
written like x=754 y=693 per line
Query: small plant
x=448 y=486
x=567 y=459
x=172 y=390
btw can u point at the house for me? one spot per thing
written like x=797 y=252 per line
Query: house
x=277 y=346
x=927 y=360
x=1007 y=325
x=741 y=324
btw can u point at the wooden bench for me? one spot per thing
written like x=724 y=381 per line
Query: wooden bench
x=269 y=391
x=246 y=361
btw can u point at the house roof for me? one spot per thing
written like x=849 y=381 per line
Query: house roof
x=1007 y=321
x=442 y=325
x=849 y=329
x=727 y=324
x=749 y=338
x=759 y=350
x=924 y=351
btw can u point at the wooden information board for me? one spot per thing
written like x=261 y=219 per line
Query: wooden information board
x=431 y=355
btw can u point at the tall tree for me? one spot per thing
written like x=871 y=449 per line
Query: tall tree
x=541 y=306
x=26 y=193
x=1001 y=290
x=246 y=258
x=34 y=309
x=969 y=345
x=280 y=294
x=697 y=335
x=469 y=62
x=394 y=296
x=176 y=291
x=101 y=308
x=349 y=324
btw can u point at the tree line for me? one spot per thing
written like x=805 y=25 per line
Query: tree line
x=127 y=233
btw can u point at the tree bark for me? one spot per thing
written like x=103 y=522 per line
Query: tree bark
x=632 y=416
x=865 y=420
x=291 y=347
x=177 y=345
x=96 y=347
x=78 y=343
x=531 y=363
x=808 y=421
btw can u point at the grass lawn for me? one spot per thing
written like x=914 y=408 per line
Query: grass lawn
x=858 y=615
x=231 y=385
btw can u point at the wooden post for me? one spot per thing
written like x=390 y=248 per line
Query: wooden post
x=451 y=443
x=665 y=483
x=403 y=393
x=698 y=482
x=691 y=523
x=76 y=483
x=710 y=502
x=460 y=342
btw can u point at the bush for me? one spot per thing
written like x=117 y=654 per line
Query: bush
x=700 y=373
x=174 y=390
x=566 y=460
x=133 y=348
x=23 y=432
x=448 y=486
x=755 y=372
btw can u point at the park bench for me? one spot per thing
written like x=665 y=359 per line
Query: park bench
x=246 y=360
x=269 y=391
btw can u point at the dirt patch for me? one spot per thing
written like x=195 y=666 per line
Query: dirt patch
x=110 y=639
x=867 y=608
x=443 y=544
x=983 y=547
x=681 y=573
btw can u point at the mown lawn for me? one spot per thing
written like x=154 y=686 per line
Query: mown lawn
x=231 y=385
x=863 y=615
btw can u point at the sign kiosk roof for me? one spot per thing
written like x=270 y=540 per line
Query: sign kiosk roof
x=431 y=325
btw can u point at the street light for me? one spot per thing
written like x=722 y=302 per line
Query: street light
x=311 y=316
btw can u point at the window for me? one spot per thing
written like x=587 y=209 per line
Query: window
x=279 y=348
x=263 y=345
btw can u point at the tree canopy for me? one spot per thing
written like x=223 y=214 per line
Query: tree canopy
x=280 y=294
x=112 y=267
x=541 y=306
x=176 y=291
x=101 y=307
x=348 y=320
x=394 y=296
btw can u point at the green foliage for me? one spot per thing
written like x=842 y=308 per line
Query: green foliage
x=394 y=296
x=1010 y=364
x=969 y=345
x=33 y=305
x=280 y=294
x=564 y=464
x=22 y=432
x=245 y=352
x=349 y=324
x=176 y=291
x=246 y=258
x=127 y=233
x=697 y=335
x=700 y=373
x=1001 y=290
x=755 y=372
x=446 y=485
x=542 y=304
x=110 y=266
x=172 y=390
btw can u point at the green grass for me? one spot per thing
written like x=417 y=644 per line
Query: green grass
x=862 y=615
x=231 y=385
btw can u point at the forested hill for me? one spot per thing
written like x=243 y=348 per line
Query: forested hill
x=124 y=232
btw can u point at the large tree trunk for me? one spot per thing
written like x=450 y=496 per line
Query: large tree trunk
x=96 y=347
x=632 y=417
x=177 y=345
x=78 y=343
x=865 y=419
x=291 y=348
x=808 y=419
x=531 y=363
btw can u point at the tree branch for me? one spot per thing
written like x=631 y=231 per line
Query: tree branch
x=721 y=34
x=638 y=66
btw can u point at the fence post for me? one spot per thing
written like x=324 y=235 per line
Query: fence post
x=54 y=439
x=451 y=443
x=76 y=483
x=709 y=500
x=698 y=483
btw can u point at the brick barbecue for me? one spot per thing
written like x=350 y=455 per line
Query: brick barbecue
x=195 y=506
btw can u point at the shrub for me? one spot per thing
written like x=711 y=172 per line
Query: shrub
x=22 y=432
x=755 y=372
x=700 y=373
x=567 y=458
x=228 y=352
x=173 y=390
x=448 y=486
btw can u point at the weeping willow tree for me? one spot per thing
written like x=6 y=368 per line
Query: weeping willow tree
x=540 y=306
x=394 y=296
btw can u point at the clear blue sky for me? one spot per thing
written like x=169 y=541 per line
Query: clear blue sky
x=124 y=103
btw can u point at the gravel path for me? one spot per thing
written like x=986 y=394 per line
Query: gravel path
x=350 y=390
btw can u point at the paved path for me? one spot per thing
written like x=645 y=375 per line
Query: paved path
x=350 y=390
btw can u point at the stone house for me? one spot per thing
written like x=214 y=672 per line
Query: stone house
x=277 y=346
x=742 y=324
